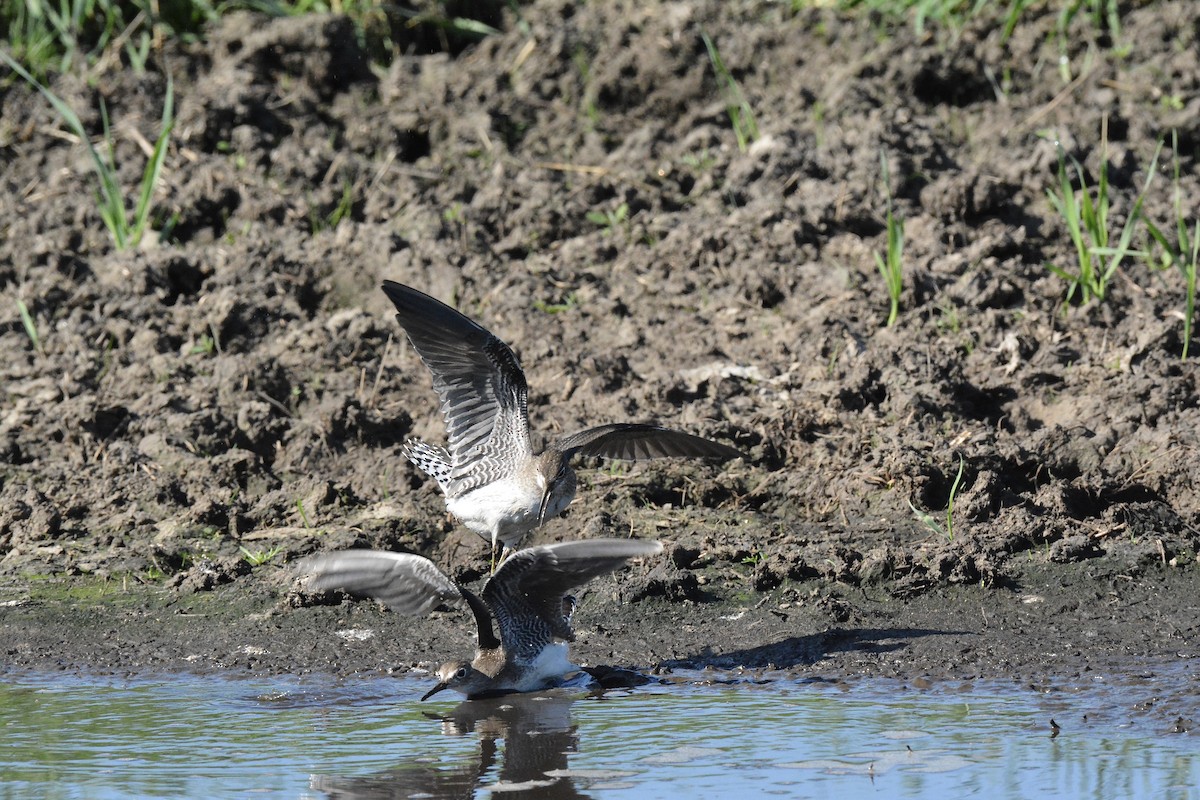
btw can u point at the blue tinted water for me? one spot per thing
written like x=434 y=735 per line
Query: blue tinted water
x=188 y=736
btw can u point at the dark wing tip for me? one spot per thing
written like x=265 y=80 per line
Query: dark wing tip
x=409 y=301
x=399 y=293
x=728 y=452
x=634 y=442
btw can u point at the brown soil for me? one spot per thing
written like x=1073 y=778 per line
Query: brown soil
x=242 y=384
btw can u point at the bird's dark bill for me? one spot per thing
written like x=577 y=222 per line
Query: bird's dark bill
x=433 y=691
x=545 y=505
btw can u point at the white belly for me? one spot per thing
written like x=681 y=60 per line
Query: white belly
x=504 y=509
x=548 y=669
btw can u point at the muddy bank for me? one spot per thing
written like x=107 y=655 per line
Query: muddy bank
x=1062 y=631
x=238 y=392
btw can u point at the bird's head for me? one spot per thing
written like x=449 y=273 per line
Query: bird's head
x=556 y=479
x=461 y=677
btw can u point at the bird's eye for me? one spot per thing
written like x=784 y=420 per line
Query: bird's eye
x=462 y=672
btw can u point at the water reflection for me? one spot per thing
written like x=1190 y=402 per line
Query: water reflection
x=702 y=735
x=524 y=741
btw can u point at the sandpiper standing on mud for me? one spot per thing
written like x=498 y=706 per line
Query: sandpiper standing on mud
x=493 y=481
x=526 y=597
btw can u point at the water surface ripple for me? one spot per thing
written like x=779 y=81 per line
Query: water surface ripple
x=316 y=737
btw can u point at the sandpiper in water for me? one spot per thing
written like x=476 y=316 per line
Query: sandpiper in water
x=526 y=597
x=493 y=481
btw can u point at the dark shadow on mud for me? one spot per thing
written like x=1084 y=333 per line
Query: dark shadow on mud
x=806 y=650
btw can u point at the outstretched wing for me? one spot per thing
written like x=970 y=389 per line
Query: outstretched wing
x=633 y=441
x=476 y=376
x=526 y=593
x=406 y=583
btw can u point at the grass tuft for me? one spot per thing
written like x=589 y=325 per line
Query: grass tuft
x=736 y=105
x=568 y=303
x=127 y=230
x=891 y=264
x=1180 y=254
x=341 y=211
x=257 y=558
x=1086 y=215
x=927 y=519
x=610 y=219
x=58 y=35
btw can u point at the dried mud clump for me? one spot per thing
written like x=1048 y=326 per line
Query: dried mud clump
x=194 y=413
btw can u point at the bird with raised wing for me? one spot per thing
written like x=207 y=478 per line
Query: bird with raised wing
x=526 y=598
x=493 y=481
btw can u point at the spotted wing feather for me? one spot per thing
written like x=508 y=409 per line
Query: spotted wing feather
x=430 y=459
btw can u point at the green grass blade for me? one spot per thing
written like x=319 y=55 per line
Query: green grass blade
x=112 y=201
x=1084 y=219
x=1099 y=229
x=1160 y=239
x=1062 y=273
x=1074 y=213
x=1010 y=21
x=741 y=116
x=154 y=166
x=30 y=326
x=887 y=280
x=470 y=27
x=1072 y=281
x=950 y=502
x=110 y=197
x=1190 y=274
x=1119 y=253
x=891 y=263
x=1180 y=224
x=926 y=519
x=111 y=207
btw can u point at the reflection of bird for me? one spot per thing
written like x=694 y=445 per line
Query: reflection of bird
x=537 y=733
x=526 y=597
x=493 y=481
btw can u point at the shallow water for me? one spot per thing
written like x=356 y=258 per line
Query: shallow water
x=188 y=736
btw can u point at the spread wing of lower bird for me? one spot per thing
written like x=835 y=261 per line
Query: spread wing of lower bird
x=528 y=587
x=406 y=583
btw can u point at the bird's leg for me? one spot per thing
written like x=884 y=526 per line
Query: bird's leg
x=505 y=552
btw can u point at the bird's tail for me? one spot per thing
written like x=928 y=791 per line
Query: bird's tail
x=430 y=459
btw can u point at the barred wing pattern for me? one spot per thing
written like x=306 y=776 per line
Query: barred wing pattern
x=525 y=595
x=479 y=381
